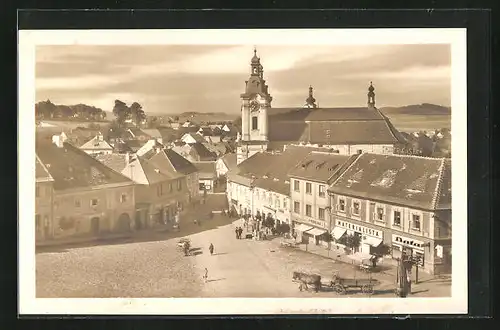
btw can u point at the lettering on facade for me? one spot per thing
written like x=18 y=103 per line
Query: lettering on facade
x=360 y=229
x=408 y=242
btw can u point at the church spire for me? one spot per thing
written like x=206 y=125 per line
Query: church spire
x=371 y=96
x=257 y=68
x=310 y=101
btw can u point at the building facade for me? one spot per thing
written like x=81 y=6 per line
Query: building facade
x=44 y=199
x=88 y=198
x=402 y=202
x=310 y=207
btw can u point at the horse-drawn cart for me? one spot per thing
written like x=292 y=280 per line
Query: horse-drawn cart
x=184 y=245
x=307 y=281
x=340 y=285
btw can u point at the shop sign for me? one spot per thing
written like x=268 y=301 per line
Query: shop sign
x=408 y=242
x=359 y=229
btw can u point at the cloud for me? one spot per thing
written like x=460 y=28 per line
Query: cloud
x=210 y=78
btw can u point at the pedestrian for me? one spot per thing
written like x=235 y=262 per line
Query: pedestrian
x=240 y=231
x=236 y=232
x=205 y=277
x=211 y=249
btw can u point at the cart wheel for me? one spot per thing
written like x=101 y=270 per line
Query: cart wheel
x=367 y=289
x=340 y=289
x=300 y=287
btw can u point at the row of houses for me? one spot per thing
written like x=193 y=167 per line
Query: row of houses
x=391 y=202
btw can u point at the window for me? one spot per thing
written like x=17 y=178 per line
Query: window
x=415 y=222
x=321 y=213
x=38 y=222
x=308 y=210
x=296 y=207
x=123 y=198
x=37 y=191
x=342 y=205
x=419 y=258
x=94 y=202
x=308 y=188
x=296 y=185
x=380 y=214
x=397 y=219
x=284 y=204
x=170 y=188
x=179 y=185
x=355 y=208
x=78 y=203
x=277 y=203
x=254 y=123
x=202 y=186
x=322 y=191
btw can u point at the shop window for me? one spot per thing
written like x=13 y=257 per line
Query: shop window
x=341 y=205
x=94 y=202
x=202 y=186
x=296 y=207
x=415 y=223
x=321 y=191
x=277 y=203
x=296 y=185
x=397 y=219
x=284 y=204
x=308 y=210
x=321 y=214
x=419 y=258
x=356 y=207
x=308 y=188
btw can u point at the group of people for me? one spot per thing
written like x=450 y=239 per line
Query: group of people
x=238 y=231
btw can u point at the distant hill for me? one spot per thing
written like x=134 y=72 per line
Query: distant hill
x=424 y=109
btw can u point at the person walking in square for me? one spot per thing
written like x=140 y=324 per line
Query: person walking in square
x=236 y=232
x=205 y=277
x=240 y=231
x=211 y=249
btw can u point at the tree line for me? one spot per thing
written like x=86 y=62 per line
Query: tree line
x=49 y=110
x=123 y=113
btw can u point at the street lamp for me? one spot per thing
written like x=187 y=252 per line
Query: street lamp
x=329 y=210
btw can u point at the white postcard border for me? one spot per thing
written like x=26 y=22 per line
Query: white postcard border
x=29 y=304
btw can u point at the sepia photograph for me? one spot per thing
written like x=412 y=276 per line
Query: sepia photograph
x=203 y=171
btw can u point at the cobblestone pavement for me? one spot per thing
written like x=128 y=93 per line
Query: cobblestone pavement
x=238 y=268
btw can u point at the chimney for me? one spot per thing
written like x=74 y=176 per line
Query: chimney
x=99 y=137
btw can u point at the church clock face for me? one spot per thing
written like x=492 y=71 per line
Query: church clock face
x=254 y=106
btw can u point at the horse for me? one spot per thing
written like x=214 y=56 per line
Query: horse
x=306 y=279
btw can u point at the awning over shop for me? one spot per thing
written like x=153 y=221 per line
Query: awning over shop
x=316 y=231
x=303 y=228
x=372 y=241
x=338 y=232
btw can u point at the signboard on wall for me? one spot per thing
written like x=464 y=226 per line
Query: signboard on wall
x=408 y=242
x=360 y=229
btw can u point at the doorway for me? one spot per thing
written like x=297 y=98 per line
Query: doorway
x=94 y=225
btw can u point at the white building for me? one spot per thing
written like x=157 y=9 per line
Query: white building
x=97 y=146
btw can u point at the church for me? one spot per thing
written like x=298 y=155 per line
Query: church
x=346 y=131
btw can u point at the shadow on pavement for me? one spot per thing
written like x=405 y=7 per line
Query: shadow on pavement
x=217 y=279
x=219 y=254
x=188 y=228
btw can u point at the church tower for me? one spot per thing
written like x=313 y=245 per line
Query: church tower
x=310 y=101
x=255 y=102
x=371 y=96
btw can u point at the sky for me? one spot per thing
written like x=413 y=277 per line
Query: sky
x=168 y=79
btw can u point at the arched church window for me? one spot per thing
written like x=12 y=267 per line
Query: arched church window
x=255 y=123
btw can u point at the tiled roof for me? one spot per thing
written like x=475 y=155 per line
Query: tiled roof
x=344 y=114
x=220 y=148
x=405 y=180
x=134 y=145
x=287 y=130
x=321 y=166
x=72 y=168
x=229 y=160
x=153 y=173
x=201 y=153
x=197 y=137
x=351 y=132
x=167 y=158
x=41 y=173
x=114 y=161
x=206 y=170
x=96 y=143
x=270 y=170
x=206 y=131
